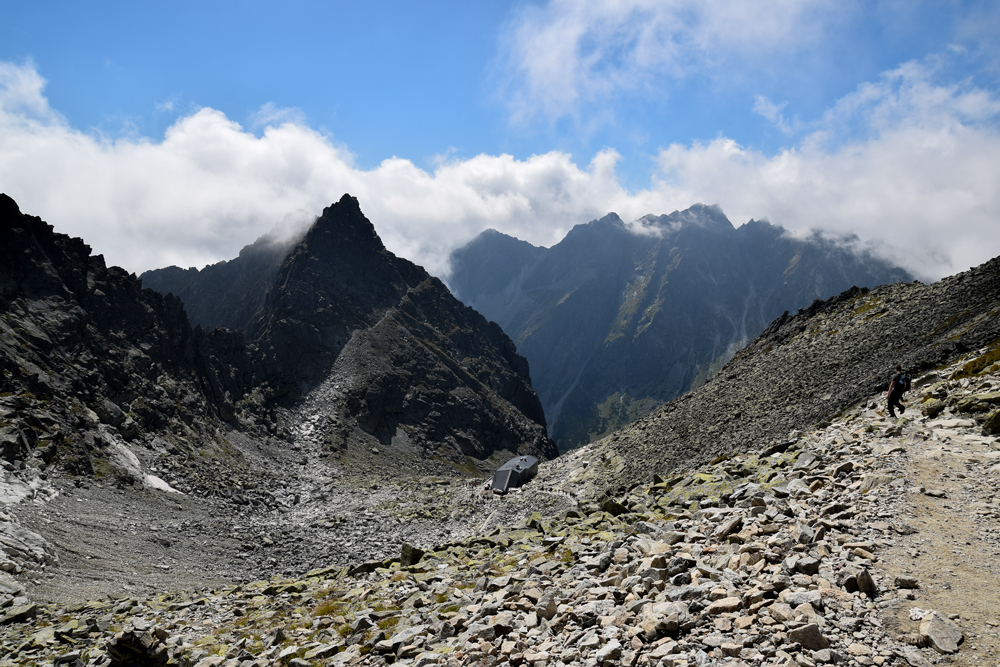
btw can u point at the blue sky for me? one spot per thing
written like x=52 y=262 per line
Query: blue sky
x=178 y=132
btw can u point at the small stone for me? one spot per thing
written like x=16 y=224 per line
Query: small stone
x=823 y=656
x=915 y=658
x=610 y=652
x=809 y=636
x=857 y=649
x=19 y=614
x=853 y=578
x=410 y=555
x=781 y=612
x=797 y=598
x=731 y=650
x=723 y=606
x=727 y=527
x=941 y=634
x=289 y=651
x=211 y=661
x=807 y=565
x=802 y=533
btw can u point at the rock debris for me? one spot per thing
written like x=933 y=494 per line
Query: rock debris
x=782 y=557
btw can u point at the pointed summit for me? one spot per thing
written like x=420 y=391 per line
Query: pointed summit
x=344 y=223
x=413 y=365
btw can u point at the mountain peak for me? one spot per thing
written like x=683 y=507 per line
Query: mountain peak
x=706 y=216
x=345 y=219
x=600 y=227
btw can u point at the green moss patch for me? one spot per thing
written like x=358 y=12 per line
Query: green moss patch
x=981 y=363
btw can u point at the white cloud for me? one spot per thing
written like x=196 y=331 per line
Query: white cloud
x=210 y=186
x=907 y=164
x=922 y=177
x=271 y=114
x=22 y=92
x=762 y=106
x=567 y=54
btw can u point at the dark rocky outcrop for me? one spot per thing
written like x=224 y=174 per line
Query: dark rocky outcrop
x=411 y=364
x=807 y=368
x=90 y=360
x=790 y=559
x=617 y=319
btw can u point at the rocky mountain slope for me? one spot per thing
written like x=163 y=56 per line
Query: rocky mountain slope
x=396 y=353
x=842 y=548
x=95 y=367
x=617 y=319
x=806 y=368
x=93 y=362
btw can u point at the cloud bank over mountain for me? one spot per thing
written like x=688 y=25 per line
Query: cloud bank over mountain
x=909 y=162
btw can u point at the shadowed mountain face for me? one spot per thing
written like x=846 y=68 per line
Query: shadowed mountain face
x=617 y=319
x=92 y=362
x=96 y=368
x=399 y=357
x=227 y=295
x=413 y=366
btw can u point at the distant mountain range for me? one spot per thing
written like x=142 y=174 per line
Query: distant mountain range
x=619 y=318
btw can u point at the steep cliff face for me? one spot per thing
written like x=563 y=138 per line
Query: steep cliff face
x=92 y=361
x=616 y=319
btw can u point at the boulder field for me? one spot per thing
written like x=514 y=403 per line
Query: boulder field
x=863 y=541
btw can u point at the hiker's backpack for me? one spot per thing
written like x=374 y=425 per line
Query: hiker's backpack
x=904 y=382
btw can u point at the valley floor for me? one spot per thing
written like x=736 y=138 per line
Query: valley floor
x=864 y=542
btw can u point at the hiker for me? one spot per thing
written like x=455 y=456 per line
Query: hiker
x=899 y=383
